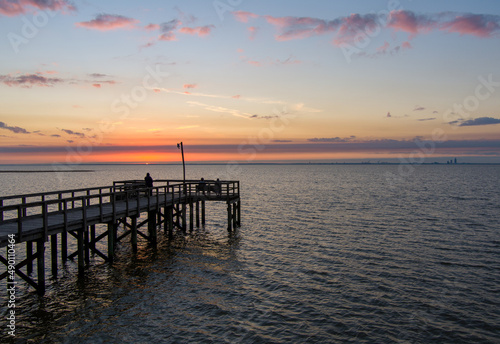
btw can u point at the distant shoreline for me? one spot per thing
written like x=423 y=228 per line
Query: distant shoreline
x=42 y=171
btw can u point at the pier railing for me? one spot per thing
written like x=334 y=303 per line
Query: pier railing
x=20 y=208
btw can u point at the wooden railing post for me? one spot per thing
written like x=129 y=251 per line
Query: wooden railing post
x=19 y=222
x=45 y=221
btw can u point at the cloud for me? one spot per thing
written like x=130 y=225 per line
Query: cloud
x=333 y=139
x=476 y=121
x=12 y=8
x=188 y=86
x=106 y=22
x=418 y=108
x=200 y=31
x=167 y=30
x=352 y=28
x=410 y=22
x=29 y=80
x=98 y=75
x=244 y=17
x=301 y=27
x=426 y=119
x=479 y=25
x=388 y=115
x=264 y=116
x=386 y=146
x=99 y=84
x=253 y=32
x=16 y=130
x=220 y=109
x=71 y=132
x=152 y=27
x=38 y=80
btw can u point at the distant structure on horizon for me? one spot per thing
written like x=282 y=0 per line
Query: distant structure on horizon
x=452 y=161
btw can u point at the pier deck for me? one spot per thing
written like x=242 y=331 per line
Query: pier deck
x=36 y=218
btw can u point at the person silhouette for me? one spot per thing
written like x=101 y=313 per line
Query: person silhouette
x=218 y=187
x=149 y=182
x=201 y=186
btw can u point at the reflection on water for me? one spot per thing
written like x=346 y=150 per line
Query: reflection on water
x=324 y=254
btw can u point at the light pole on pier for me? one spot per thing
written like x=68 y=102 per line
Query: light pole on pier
x=181 y=147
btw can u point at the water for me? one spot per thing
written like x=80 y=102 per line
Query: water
x=325 y=254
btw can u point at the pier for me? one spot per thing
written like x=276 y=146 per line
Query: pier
x=51 y=218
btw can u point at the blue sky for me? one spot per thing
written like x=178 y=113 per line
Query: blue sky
x=287 y=80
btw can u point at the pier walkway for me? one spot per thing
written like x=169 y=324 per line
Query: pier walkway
x=38 y=218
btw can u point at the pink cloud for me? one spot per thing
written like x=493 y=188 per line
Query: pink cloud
x=237 y=96
x=201 y=31
x=168 y=36
x=474 y=24
x=106 y=22
x=190 y=85
x=354 y=25
x=411 y=23
x=255 y=63
x=253 y=31
x=243 y=16
x=152 y=27
x=97 y=85
x=29 y=80
x=12 y=8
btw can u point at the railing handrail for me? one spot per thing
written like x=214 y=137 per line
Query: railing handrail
x=231 y=185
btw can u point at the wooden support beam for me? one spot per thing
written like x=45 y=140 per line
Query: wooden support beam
x=191 y=217
x=80 y=249
x=152 y=227
x=133 y=237
x=235 y=206
x=183 y=212
x=64 y=246
x=229 y=215
x=40 y=252
x=198 y=213
x=53 y=253
x=170 y=221
x=29 y=257
x=111 y=237
x=203 y=213
x=92 y=237
x=238 y=220
x=86 y=245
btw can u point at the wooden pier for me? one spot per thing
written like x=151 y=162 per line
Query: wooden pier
x=36 y=219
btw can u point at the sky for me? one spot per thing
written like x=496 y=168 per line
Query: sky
x=249 y=81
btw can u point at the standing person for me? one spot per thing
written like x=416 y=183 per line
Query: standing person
x=149 y=182
x=218 y=187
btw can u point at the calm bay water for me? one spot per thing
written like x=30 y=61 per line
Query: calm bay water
x=325 y=254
